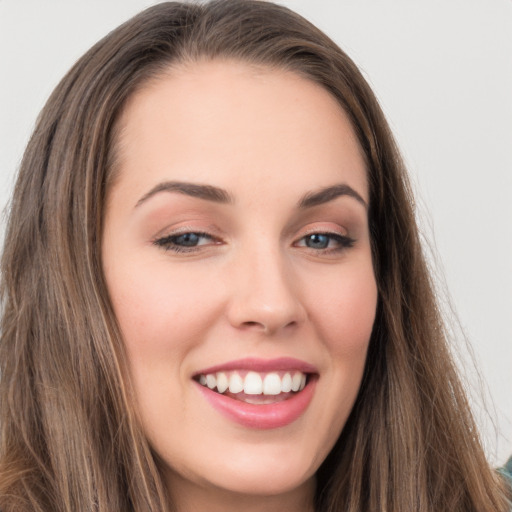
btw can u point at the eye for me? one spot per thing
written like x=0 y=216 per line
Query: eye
x=326 y=242
x=184 y=242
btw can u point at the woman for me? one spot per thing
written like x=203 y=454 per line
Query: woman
x=214 y=292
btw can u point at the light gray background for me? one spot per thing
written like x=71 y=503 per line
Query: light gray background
x=442 y=70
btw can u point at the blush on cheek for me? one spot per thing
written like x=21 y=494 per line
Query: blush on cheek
x=348 y=319
x=160 y=321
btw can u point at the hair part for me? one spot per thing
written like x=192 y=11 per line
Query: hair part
x=70 y=437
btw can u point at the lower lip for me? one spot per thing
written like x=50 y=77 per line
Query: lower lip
x=264 y=416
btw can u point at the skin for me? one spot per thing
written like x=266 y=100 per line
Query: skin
x=253 y=288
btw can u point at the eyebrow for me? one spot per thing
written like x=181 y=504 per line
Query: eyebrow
x=207 y=192
x=329 y=194
x=219 y=195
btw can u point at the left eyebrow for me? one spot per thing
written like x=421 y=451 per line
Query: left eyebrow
x=329 y=194
x=206 y=192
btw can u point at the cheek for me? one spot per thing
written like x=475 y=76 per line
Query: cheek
x=157 y=310
x=345 y=312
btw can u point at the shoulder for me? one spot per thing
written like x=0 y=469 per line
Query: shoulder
x=506 y=470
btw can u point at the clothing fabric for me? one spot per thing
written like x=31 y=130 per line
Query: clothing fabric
x=506 y=470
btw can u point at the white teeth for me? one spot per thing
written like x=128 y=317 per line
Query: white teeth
x=211 y=381
x=222 y=382
x=296 y=381
x=236 y=384
x=271 y=384
x=286 y=383
x=253 y=385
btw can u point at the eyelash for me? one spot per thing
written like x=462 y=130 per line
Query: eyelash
x=170 y=242
x=343 y=242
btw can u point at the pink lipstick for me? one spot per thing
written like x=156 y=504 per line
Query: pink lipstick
x=258 y=393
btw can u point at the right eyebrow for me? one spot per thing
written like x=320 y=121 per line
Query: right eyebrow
x=329 y=194
x=207 y=192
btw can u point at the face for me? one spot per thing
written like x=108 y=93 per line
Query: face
x=237 y=256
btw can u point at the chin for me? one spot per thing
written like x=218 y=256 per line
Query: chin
x=264 y=480
x=257 y=471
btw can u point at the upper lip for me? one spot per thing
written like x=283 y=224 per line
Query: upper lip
x=261 y=365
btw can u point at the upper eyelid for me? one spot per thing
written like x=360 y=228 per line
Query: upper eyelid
x=169 y=231
x=173 y=235
x=324 y=231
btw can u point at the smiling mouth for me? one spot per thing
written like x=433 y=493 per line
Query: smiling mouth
x=255 y=387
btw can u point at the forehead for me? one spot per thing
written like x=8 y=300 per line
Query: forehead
x=228 y=123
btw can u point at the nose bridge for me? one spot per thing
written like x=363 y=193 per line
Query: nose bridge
x=264 y=294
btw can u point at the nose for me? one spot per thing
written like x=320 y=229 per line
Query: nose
x=265 y=296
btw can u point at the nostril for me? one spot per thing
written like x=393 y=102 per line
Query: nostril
x=264 y=327
x=252 y=325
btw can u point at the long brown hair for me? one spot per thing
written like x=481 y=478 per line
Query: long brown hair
x=69 y=439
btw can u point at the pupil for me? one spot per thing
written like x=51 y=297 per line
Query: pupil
x=188 y=239
x=317 y=241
